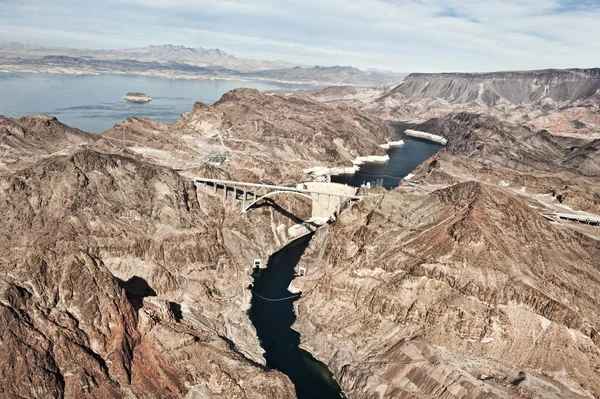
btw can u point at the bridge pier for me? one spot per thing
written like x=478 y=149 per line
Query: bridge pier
x=215 y=189
x=244 y=199
x=234 y=195
x=224 y=194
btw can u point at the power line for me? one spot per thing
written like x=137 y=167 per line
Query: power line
x=275 y=300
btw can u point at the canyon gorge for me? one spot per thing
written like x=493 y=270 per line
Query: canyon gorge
x=121 y=277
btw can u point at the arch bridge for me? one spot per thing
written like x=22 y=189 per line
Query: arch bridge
x=327 y=198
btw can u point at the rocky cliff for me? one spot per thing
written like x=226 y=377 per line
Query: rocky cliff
x=31 y=137
x=465 y=292
x=564 y=102
x=554 y=85
x=120 y=279
x=454 y=285
x=258 y=134
x=557 y=171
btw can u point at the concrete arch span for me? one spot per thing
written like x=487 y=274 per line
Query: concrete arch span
x=312 y=198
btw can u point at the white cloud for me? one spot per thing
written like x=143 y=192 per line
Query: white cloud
x=403 y=35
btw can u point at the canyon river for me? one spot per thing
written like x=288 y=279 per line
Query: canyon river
x=272 y=314
x=403 y=160
x=272 y=310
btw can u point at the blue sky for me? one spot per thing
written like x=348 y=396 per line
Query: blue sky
x=400 y=35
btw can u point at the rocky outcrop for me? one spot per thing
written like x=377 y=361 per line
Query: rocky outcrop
x=585 y=158
x=465 y=292
x=258 y=134
x=137 y=97
x=489 y=89
x=25 y=140
x=120 y=278
x=554 y=169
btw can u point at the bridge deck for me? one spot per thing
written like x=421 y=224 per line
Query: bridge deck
x=273 y=187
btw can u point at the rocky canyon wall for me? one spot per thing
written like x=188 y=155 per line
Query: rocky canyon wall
x=464 y=292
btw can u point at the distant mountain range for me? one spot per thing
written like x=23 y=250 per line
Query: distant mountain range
x=564 y=102
x=180 y=61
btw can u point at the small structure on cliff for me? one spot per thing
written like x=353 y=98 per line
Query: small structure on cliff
x=216 y=158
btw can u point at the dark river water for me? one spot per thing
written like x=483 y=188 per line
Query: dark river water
x=403 y=160
x=93 y=102
x=272 y=310
x=273 y=321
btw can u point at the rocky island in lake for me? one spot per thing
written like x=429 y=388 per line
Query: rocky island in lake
x=137 y=98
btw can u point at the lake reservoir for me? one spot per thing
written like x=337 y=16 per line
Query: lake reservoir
x=94 y=103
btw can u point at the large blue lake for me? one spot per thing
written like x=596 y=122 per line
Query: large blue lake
x=93 y=102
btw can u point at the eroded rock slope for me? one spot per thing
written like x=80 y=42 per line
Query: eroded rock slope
x=465 y=292
x=262 y=136
x=120 y=279
x=554 y=170
x=564 y=102
x=29 y=138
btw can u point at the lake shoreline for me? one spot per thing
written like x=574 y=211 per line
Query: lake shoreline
x=402 y=161
x=178 y=75
x=94 y=103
